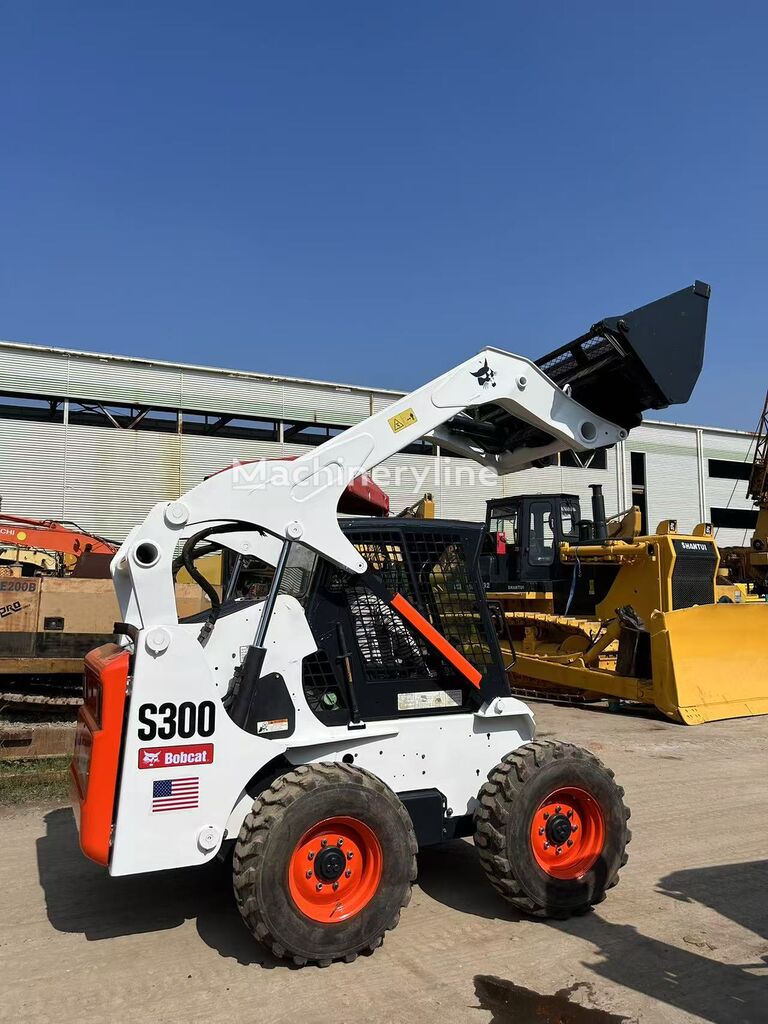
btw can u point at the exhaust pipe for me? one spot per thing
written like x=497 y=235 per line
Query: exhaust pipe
x=598 y=512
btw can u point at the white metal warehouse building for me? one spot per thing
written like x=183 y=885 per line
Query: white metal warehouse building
x=98 y=439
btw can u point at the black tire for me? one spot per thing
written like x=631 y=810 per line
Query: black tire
x=515 y=791
x=285 y=813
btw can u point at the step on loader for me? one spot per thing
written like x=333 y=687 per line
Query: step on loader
x=361 y=709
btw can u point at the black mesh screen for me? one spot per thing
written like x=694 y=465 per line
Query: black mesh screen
x=321 y=686
x=693 y=575
x=429 y=569
x=579 y=359
x=447 y=596
x=388 y=648
x=298 y=572
x=391 y=667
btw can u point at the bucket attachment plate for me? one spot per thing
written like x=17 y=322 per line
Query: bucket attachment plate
x=649 y=358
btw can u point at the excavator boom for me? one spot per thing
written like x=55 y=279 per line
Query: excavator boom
x=50 y=535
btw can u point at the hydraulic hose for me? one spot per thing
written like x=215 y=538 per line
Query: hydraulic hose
x=190 y=552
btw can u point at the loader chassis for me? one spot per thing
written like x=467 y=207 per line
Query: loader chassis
x=360 y=704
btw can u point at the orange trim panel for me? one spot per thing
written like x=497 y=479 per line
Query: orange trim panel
x=438 y=641
x=94 y=768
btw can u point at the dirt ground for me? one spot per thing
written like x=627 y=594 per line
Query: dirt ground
x=684 y=937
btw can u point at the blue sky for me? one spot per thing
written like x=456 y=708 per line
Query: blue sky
x=370 y=192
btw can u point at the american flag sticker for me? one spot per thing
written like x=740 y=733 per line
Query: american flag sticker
x=175 y=794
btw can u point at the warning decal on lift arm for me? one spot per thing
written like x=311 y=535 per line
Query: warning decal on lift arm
x=428 y=699
x=401 y=420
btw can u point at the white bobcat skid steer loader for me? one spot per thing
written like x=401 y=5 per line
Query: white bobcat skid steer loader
x=352 y=715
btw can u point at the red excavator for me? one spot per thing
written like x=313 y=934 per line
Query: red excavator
x=45 y=547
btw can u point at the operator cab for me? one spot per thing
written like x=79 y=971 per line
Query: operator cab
x=411 y=636
x=524 y=535
x=522 y=551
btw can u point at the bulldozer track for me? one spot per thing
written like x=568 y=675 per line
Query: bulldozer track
x=567 y=624
x=532 y=689
x=538 y=691
x=18 y=700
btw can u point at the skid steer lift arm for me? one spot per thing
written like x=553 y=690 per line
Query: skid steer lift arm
x=297 y=500
x=500 y=409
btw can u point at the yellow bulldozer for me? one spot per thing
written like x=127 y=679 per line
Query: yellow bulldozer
x=593 y=609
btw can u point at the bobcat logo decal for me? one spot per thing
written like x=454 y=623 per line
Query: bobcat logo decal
x=485 y=375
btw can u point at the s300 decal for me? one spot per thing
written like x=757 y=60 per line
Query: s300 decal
x=167 y=720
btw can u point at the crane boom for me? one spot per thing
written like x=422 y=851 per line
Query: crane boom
x=757 y=489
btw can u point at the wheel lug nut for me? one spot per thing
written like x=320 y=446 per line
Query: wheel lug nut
x=347 y=873
x=323 y=842
x=541 y=831
x=349 y=855
x=546 y=815
x=310 y=856
x=575 y=828
x=546 y=846
x=340 y=842
x=558 y=809
x=570 y=814
x=559 y=850
x=309 y=874
x=335 y=886
x=570 y=842
x=319 y=886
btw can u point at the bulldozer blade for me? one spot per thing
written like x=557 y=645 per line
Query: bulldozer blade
x=710 y=662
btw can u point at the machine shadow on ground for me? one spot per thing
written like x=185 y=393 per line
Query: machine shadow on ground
x=698 y=984
x=736 y=891
x=440 y=869
x=81 y=897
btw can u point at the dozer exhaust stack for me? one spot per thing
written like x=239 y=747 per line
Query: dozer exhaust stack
x=599 y=525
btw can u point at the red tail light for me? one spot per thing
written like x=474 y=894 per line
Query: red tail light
x=96 y=758
x=92 y=695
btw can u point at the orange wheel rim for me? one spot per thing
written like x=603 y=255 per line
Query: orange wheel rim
x=335 y=869
x=567 y=833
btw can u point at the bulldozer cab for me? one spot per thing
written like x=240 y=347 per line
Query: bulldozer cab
x=522 y=555
x=524 y=535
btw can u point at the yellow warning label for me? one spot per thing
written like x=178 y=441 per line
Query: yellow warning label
x=401 y=420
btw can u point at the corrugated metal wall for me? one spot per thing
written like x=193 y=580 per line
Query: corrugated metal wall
x=722 y=493
x=672 y=473
x=32 y=460
x=107 y=479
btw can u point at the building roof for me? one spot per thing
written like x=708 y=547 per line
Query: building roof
x=44 y=370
